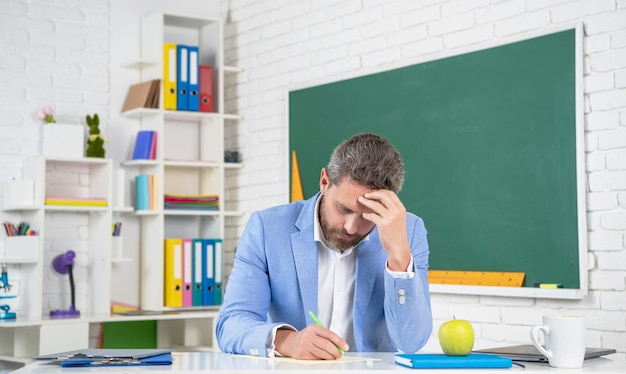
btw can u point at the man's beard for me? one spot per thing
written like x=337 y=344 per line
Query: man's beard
x=332 y=235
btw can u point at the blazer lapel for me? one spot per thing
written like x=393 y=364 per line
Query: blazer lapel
x=305 y=256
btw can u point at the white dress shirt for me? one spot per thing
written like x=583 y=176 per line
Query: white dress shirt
x=336 y=274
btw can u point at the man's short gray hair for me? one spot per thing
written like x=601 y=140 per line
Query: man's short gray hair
x=369 y=160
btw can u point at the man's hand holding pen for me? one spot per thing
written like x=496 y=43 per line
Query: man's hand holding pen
x=311 y=343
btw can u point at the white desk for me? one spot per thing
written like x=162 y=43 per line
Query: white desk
x=211 y=362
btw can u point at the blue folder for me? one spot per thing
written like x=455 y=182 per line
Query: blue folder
x=208 y=272
x=182 y=84
x=110 y=357
x=164 y=359
x=441 y=361
x=218 y=263
x=197 y=273
x=193 y=102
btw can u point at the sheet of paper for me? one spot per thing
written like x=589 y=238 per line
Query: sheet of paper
x=342 y=359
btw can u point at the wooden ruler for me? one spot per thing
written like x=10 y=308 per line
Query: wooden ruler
x=476 y=278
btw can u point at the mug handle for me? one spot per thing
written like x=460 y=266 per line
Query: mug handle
x=534 y=336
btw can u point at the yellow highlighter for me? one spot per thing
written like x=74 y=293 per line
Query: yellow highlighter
x=320 y=324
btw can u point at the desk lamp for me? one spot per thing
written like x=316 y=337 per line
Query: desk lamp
x=64 y=264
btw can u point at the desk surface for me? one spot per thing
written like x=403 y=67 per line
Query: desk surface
x=210 y=362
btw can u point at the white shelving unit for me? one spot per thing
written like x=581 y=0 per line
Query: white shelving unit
x=66 y=177
x=189 y=160
x=189 y=150
x=33 y=332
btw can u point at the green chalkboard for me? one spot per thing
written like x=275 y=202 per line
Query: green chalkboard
x=489 y=143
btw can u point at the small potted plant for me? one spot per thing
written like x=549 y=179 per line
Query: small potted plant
x=95 y=142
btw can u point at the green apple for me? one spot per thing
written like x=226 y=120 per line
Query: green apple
x=456 y=337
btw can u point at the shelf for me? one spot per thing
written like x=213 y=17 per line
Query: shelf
x=78 y=209
x=174 y=212
x=232 y=69
x=141 y=113
x=189 y=116
x=100 y=318
x=14 y=208
x=179 y=115
x=147 y=212
x=17 y=261
x=123 y=209
x=186 y=21
x=82 y=160
x=191 y=164
x=139 y=163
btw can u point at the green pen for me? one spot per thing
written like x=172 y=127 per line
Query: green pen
x=320 y=324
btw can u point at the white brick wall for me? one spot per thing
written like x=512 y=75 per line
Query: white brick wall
x=336 y=39
x=67 y=54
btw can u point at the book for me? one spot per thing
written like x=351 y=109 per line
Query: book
x=143 y=145
x=142 y=95
x=153 y=146
x=142 y=193
x=76 y=201
x=442 y=361
x=191 y=202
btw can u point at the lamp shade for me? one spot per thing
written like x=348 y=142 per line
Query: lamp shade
x=63 y=261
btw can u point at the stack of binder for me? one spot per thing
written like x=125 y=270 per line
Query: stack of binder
x=187 y=84
x=76 y=201
x=191 y=202
x=193 y=272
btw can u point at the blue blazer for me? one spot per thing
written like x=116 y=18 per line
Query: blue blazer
x=274 y=281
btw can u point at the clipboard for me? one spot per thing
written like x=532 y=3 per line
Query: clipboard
x=109 y=357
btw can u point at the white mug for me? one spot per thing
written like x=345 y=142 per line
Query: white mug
x=564 y=338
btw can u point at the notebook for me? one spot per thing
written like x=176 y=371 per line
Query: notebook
x=441 y=361
x=528 y=352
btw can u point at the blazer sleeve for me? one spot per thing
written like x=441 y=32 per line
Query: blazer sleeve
x=241 y=326
x=407 y=301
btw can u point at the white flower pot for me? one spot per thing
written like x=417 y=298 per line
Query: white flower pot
x=63 y=140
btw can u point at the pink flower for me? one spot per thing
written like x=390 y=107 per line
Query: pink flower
x=46 y=115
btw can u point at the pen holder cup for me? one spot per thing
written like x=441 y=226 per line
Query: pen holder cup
x=21 y=248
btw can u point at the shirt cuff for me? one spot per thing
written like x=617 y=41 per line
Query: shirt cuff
x=271 y=347
x=408 y=274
